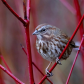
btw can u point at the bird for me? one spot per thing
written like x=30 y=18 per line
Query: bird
x=50 y=43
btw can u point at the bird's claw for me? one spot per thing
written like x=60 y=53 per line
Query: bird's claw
x=58 y=61
x=48 y=73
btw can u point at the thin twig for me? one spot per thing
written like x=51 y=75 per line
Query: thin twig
x=14 y=13
x=78 y=16
x=23 y=49
x=81 y=30
x=11 y=75
x=6 y=66
x=5 y=63
x=64 y=49
x=74 y=61
x=35 y=64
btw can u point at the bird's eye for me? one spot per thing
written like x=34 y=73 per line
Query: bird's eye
x=43 y=29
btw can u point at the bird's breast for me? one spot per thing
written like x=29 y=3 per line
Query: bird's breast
x=48 y=49
x=51 y=49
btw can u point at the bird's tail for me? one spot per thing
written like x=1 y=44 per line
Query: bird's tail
x=76 y=46
x=73 y=45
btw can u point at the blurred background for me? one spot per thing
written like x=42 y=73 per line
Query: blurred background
x=12 y=34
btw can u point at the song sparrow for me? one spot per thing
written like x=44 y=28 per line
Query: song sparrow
x=50 y=43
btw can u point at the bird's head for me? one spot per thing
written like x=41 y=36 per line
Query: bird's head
x=44 y=31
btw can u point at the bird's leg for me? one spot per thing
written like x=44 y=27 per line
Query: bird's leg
x=58 y=61
x=47 y=70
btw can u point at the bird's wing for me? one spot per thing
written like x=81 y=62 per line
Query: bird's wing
x=72 y=43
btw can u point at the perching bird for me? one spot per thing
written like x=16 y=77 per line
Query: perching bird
x=50 y=43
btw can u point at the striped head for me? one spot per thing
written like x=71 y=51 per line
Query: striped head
x=45 y=31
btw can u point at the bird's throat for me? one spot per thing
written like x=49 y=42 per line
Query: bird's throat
x=39 y=37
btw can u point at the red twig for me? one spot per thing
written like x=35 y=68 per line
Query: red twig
x=11 y=75
x=5 y=63
x=13 y=12
x=35 y=64
x=64 y=48
x=78 y=14
x=81 y=30
x=23 y=49
x=29 y=55
x=68 y=6
x=26 y=24
x=7 y=66
x=41 y=72
x=28 y=45
x=74 y=61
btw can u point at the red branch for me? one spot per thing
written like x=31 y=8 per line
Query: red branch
x=35 y=64
x=26 y=24
x=74 y=61
x=29 y=55
x=64 y=49
x=41 y=72
x=11 y=75
x=14 y=13
x=6 y=66
x=81 y=30
x=23 y=49
x=28 y=45
x=5 y=63
x=78 y=14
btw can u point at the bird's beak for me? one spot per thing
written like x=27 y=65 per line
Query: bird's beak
x=35 y=32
